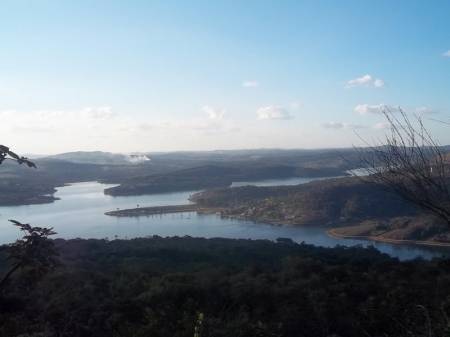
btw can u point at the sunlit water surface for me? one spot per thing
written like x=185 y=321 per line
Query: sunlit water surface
x=80 y=214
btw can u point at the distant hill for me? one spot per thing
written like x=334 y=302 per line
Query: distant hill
x=325 y=202
x=164 y=172
x=213 y=176
x=100 y=158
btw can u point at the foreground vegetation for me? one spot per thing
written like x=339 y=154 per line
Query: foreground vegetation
x=220 y=287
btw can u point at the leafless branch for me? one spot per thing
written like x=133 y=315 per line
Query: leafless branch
x=411 y=163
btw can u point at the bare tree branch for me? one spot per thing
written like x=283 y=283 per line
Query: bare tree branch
x=410 y=163
x=439 y=121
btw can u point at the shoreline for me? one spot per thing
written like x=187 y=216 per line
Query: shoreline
x=157 y=210
x=332 y=233
x=39 y=200
x=188 y=208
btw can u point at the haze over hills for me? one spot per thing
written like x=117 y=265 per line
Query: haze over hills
x=100 y=158
x=163 y=168
x=174 y=171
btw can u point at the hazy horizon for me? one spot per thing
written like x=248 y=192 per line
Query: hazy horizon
x=36 y=155
x=196 y=76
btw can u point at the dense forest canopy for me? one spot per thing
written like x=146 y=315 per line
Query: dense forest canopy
x=161 y=286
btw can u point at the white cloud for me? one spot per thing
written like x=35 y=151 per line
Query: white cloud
x=295 y=105
x=213 y=113
x=356 y=126
x=273 y=112
x=424 y=110
x=58 y=120
x=214 y=122
x=333 y=125
x=100 y=128
x=364 y=109
x=365 y=81
x=446 y=54
x=142 y=127
x=103 y=112
x=145 y=127
x=209 y=126
x=342 y=125
x=378 y=83
x=381 y=126
x=250 y=84
x=32 y=129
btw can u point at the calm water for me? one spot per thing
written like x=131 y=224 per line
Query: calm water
x=80 y=214
x=276 y=182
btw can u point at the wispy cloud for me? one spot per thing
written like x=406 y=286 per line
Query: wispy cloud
x=211 y=122
x=102 y=128
x=144 y=127
x=342 y=125
x=88 y=118
x=365 y=81
x=446 y=54
x=250 y=84
x=103 y=112
x=32 y=129
x=364 y=109
x=213 y=113
x=215 y=121
x=378 y=83
x=424 y=110
x=273 y=112
x=382 y=126
x=296 y=105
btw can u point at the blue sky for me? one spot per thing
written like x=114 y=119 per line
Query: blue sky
x=201 y=75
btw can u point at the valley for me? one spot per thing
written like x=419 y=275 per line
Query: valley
x=165 y=172
x=226 y=184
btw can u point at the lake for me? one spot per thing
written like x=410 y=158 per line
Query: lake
x=80 y=214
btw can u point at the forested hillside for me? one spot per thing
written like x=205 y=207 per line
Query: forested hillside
x=330 y=201
x=165 y=172
x=351 y=206
x=174 y=286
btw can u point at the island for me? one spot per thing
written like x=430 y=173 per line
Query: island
x=154 y=210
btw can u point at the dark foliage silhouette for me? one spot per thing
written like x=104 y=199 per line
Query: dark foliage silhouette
x=34 y=252
x=6 y=153
x=186 y=287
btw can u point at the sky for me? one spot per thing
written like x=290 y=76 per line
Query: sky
x=136 y=76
